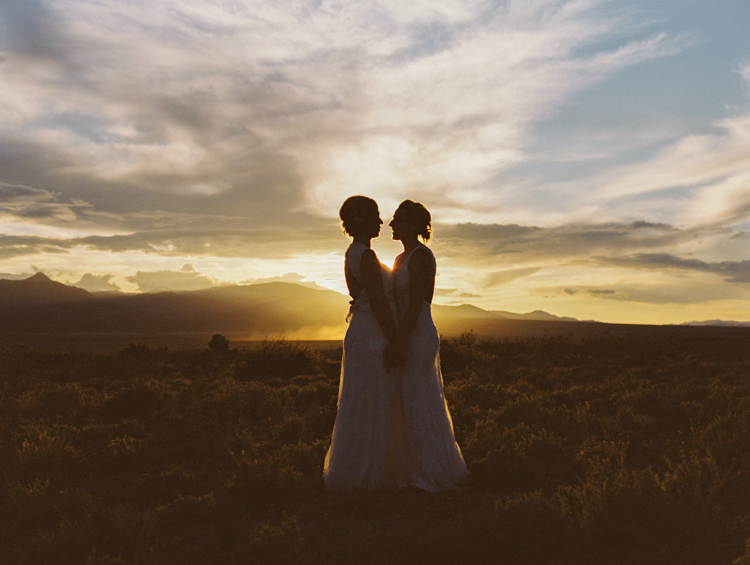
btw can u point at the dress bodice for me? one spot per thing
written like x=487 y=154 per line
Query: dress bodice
x=353 y=271
x=402 y=279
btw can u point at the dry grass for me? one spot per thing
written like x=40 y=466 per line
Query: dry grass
x=611 y=450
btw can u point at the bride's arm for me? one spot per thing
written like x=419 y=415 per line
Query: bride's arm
x=372 y=280
x=422 y=277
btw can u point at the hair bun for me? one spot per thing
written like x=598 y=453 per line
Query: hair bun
x=417 y=215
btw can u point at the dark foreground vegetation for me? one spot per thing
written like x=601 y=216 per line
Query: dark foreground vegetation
x=616 y=450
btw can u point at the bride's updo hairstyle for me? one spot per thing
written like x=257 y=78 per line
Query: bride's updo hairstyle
x=354 y=211
x=417 y=215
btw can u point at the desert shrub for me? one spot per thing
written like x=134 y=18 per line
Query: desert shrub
x=229 y=400
x=516 y=458
x=641 y=516
x=185 y=513
x=461 y=353
x=43 y=448
x=530 y=528
x=598 y=456
x=278 y=359
x=273 y=542
x=167 y=486
x=219 y=344
x=260 y=482
x=268 y=478
x=123 y=454
x=112 y=533
x=70 y=402
x=727 y=439
x=25 y=505
x=139 y=351
x=472 y=392
x=311 y=392
x=290 y=429
x=138 y=400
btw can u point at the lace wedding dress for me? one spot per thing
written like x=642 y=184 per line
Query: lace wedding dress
x=367 y=447
x=434 y=459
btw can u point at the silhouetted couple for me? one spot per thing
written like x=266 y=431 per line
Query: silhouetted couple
x=393 y=428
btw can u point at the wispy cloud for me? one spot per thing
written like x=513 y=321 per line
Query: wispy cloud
x=526 y=244
x=509 y=275
x=216 y=106
x=97 y=283
x=266 y=242
x=730 y=271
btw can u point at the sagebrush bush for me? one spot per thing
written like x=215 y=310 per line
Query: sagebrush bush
x=612 y=450
x=273 y=360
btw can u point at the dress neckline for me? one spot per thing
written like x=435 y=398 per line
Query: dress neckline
x=408 y=255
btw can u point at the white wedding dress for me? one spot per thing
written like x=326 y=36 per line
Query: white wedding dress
x=434 y=460
x=367 y=446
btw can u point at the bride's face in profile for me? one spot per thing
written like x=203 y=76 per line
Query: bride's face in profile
x=370 y=223
x=400 y=226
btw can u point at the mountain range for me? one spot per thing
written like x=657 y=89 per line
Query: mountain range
x=39 y=304
x=253 y=311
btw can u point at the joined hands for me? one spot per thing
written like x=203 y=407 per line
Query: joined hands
x=393 y=355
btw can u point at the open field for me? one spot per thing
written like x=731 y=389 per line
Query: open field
x=110 y=342
x=617 y=449
x=449 y=326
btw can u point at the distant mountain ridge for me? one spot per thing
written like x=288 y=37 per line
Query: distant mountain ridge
x=719 y=323
x=37 y=290
x=39 y=304
x=470 y=311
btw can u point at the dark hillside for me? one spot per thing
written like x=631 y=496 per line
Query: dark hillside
x=39 y=304
x=38 y=290
x=287 y=305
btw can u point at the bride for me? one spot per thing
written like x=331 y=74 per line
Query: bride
x=368 y=436
x=434 y=460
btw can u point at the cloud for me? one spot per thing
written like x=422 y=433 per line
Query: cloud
x=523 y=244
x=256 y=110
x=23 y=245
x=264 y=242
x=688 y=293
x=96 y=283
x=656 y=289
x=699 y=180
x=508 y=275
x=591 y=291
x=602 y=292
x=38 y=204
x=295 y=278
x=444 y=291
x=15 y=277
x=730 y=271
x=185 y=279
x=33 y=29
x=467 y=295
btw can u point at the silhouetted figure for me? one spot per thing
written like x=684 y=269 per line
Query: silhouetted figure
x=434 y=460
x=367 y=447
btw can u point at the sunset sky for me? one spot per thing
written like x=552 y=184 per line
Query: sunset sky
x=589 y=158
